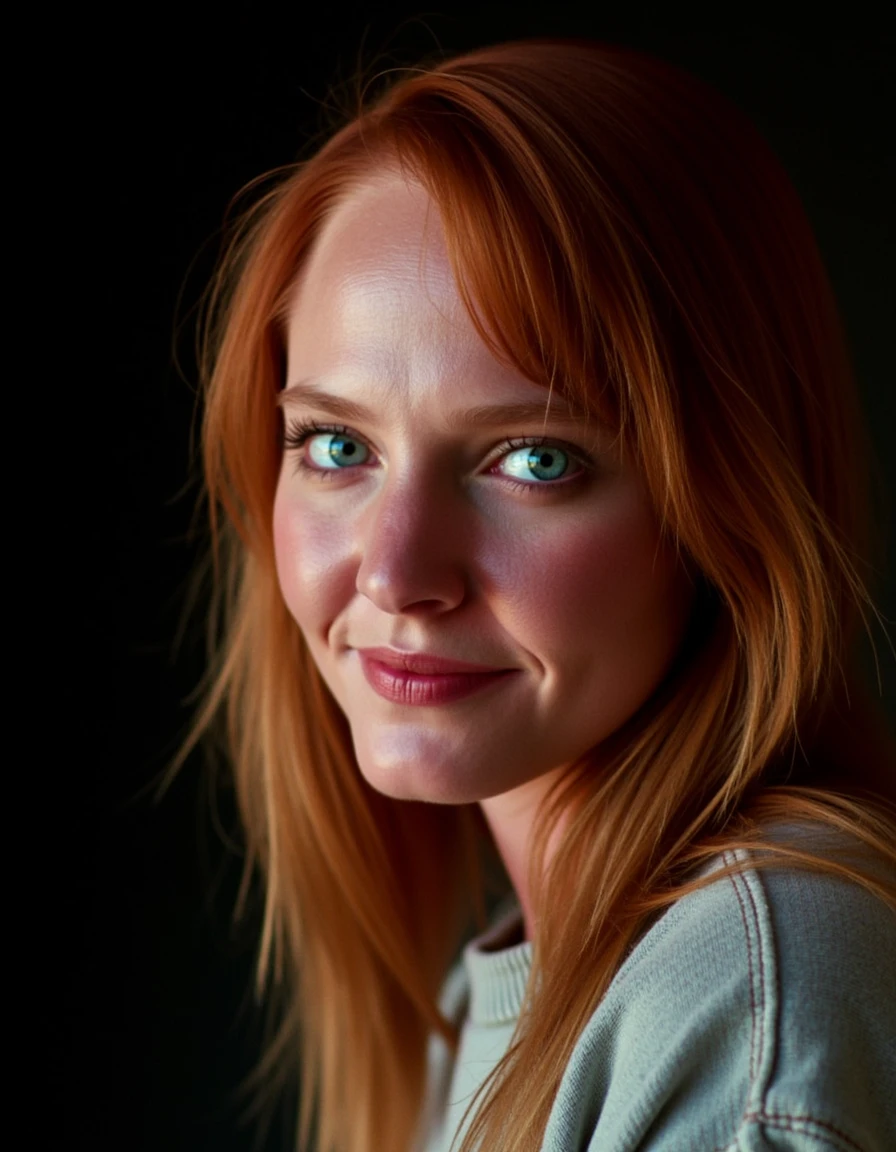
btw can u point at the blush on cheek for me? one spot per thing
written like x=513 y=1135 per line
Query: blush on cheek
x=313 y=559
x=577 y=567
x=597 y=593
x=615 y=561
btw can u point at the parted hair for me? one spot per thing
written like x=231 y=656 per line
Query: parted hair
x=622 y=234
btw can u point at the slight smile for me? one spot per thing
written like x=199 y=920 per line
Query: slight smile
x=420 y=679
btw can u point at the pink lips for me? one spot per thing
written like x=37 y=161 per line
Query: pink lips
x=419 y=679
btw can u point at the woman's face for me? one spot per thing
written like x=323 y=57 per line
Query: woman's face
x=480 y=580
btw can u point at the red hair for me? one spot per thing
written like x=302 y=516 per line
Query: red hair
x=619 y=233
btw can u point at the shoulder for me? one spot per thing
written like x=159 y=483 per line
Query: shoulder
x=764 y=1003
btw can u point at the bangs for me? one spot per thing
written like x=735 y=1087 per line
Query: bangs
x=516 y=257
x=551 y=291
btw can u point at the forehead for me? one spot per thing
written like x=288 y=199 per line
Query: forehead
x=383 y=239
x=376 y=315
x=376 y=310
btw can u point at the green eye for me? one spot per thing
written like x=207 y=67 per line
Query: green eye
x=539 y=462
x=329 y=450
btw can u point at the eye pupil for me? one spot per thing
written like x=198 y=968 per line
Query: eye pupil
x=342 y=450
x=547 y=463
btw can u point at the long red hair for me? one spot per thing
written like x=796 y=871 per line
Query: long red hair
x=621 y=233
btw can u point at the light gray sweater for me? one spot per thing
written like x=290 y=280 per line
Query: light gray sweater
x=758 y=1013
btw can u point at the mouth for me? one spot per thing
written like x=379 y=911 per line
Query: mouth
x=424 y=680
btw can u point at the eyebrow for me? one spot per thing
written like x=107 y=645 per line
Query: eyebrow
x=554 y=408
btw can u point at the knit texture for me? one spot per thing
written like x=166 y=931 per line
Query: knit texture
x=758 y=1013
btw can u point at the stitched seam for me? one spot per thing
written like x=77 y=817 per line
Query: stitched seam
x=802 y=1123
x=761 y=1037
x=743 y=916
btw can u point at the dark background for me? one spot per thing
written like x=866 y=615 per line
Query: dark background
x=160 y=122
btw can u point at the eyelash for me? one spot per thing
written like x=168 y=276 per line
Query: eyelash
x=298 y=432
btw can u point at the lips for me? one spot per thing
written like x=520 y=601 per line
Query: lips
x=424 y=680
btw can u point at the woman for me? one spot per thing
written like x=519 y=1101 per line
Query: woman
x=533 y=466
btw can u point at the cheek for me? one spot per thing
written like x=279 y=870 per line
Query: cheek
x=595 y=585
x=314 y=562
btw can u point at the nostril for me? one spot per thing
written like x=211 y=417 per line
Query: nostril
x=412 y=557
x=413 y=581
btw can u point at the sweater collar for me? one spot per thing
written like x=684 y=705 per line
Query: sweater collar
x=498 y=975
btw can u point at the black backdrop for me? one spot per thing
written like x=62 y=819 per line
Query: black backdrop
x=161 y=121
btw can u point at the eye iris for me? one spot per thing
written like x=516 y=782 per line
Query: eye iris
x=342 y=450
x=547 y=463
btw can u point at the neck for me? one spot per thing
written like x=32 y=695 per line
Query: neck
x=511 y=818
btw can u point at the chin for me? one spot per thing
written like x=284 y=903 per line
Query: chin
x=404 y=768
x=402 y=781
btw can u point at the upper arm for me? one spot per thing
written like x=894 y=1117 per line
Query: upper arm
x=758 y=1013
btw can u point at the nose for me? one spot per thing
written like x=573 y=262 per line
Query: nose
x=413 y=542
